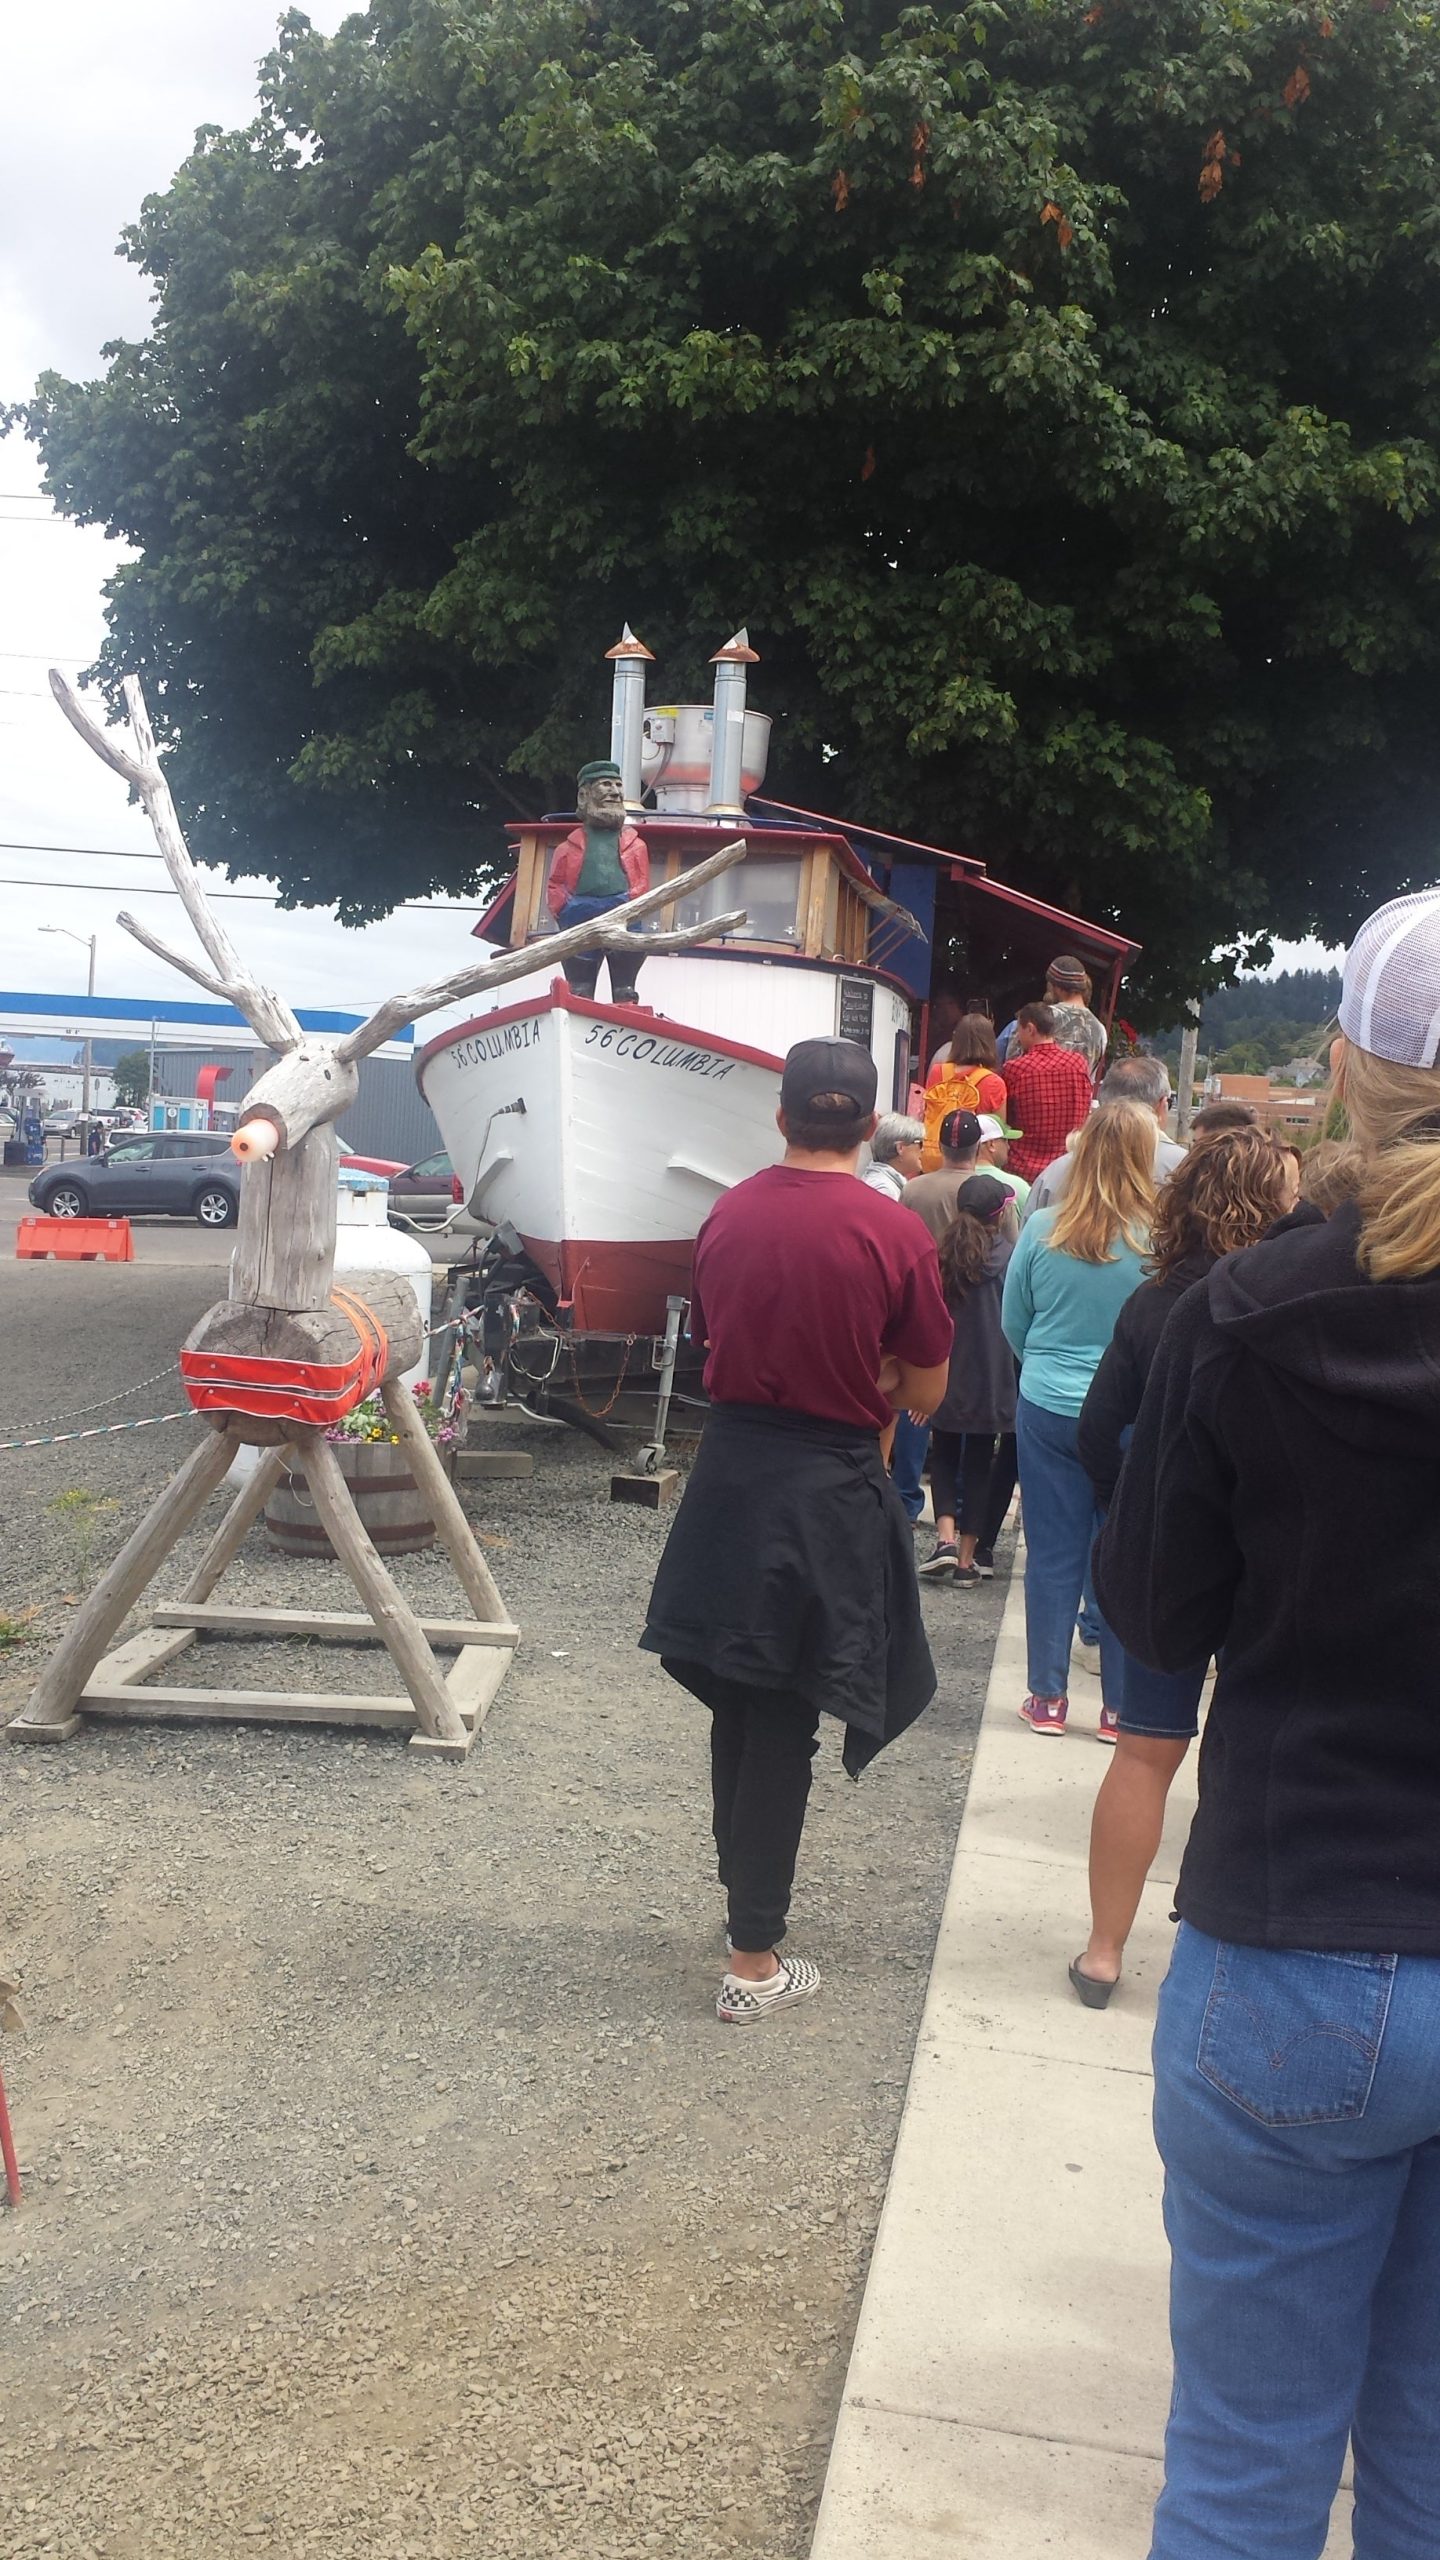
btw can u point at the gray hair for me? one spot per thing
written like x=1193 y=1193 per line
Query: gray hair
x=892 y=1132
x=1136 y=1080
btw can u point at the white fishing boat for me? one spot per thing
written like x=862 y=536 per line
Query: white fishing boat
x=603 y=1133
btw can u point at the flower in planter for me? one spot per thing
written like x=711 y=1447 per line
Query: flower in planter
x=369 y=1424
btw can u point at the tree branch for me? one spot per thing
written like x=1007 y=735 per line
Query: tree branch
x=600 y=932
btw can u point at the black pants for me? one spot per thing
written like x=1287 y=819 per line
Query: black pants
x=1004 y=1476
x=582 y=973
x=961 y=1463
x=762 y=1743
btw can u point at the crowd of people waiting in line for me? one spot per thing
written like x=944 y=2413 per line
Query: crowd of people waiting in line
x=1210 y=1384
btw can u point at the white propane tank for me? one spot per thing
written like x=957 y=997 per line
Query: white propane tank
x=366 y=1241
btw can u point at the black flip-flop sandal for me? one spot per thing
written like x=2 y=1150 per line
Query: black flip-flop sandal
x=1091 y=1994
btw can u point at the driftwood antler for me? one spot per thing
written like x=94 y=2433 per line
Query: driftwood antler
x=603 y=934
x=267 y=1014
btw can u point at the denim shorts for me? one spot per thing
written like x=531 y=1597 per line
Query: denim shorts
x=1162 y=1704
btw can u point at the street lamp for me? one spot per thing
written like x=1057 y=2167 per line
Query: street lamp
x=87 y=942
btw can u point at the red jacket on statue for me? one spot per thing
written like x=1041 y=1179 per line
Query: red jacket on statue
x=570 y=854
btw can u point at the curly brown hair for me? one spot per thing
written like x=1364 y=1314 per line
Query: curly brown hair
x=1225 y=1195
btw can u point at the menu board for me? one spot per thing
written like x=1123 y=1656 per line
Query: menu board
x=857 y=1010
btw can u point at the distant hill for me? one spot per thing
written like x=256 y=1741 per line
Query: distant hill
x=1262 y=1023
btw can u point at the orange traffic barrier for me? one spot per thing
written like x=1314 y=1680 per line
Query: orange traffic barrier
x=75 y=1240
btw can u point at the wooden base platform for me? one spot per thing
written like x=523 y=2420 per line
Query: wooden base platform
x=442 y=1713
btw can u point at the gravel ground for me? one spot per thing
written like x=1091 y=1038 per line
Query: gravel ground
x=391 y=2188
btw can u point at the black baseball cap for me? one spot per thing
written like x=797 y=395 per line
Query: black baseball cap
x=984 y=1197
x=828 y=1066
x=960 y=1132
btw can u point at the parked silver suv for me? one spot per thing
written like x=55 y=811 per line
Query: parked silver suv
x=147 y=1173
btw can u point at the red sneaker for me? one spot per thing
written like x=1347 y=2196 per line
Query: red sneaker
x=1044 y=1715
x=1109 y=1726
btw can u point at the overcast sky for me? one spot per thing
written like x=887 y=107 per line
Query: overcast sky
x=98 y=110
x=90 y=125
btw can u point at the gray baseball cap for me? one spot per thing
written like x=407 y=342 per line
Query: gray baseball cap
x=1390 y=1004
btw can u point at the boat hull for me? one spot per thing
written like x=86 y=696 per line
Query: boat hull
x=604 y=1135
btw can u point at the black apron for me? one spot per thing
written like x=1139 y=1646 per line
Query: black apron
x=791 y=1567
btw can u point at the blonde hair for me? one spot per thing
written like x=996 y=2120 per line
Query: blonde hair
x=1110 y=1195
x=1332 y=1174
x=1394 y=1116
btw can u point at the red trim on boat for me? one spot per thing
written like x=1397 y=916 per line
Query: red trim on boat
x=614 y=1288
x=633 y=1017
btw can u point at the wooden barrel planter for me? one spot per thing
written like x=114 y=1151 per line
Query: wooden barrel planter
x=386 y=1496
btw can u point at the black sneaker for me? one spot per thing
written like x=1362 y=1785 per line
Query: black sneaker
x=985 y=1563
x=946 y=1559
x=968 y=1576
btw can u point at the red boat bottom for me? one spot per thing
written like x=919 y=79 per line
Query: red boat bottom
x=615 y=1288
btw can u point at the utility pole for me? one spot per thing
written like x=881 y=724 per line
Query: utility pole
x=87 y=942
x=1189 y=1038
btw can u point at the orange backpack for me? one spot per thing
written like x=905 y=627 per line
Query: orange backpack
x=955 y=1089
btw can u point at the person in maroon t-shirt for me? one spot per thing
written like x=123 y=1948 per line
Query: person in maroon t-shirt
x=787 y=1586
x=1049 y=1091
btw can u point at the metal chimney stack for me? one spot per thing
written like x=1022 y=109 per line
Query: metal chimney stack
x=727 y=748
x=629 y=658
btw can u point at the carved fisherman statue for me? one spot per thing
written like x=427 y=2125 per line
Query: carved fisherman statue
x=600 y=864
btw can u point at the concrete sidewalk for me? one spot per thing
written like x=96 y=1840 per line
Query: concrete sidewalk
x=1010 y=2379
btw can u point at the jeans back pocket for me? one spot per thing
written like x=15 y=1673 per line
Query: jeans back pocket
x=1294 y=2037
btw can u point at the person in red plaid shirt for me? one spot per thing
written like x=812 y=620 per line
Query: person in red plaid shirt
x=1048 y=1090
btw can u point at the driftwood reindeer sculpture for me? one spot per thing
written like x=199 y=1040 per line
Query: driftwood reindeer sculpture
x=287 y=1353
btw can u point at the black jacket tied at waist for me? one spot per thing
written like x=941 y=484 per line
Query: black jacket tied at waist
x=791 y=1567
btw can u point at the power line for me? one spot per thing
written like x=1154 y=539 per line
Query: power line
x=114 y=853
x=134 y=889
x=102 y=852
x=254 y=897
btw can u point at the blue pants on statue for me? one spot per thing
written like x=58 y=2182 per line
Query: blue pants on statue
x=1297 y=2111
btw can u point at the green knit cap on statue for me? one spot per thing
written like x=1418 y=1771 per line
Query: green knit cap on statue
x=602 y=770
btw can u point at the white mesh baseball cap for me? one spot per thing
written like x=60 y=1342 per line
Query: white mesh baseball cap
x=1391 y=999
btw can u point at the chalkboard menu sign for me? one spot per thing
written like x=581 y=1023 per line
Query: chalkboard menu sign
x=857 y=1010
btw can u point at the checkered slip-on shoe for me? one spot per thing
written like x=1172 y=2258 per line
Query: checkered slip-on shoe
x=744 y=2004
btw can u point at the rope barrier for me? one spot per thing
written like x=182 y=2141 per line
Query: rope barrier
x=99 y=1430
x=77 y=1413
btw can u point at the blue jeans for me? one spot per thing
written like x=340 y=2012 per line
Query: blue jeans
x=1061 y=1522
x=1297 y=2110
x=912 y=1448
x=1089 y=1622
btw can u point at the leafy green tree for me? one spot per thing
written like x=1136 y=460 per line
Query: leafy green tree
x=1051 y=388
x=131 y=1078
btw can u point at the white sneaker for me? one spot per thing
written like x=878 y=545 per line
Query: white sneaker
x=744 y=2004
x=1087 y=1657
